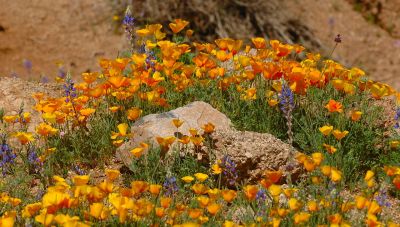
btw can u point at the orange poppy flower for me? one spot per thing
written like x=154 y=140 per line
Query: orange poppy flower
x=213 y=208
x=24 y=137
x=112 y=174
x=326 y=130
x=184 y=140
x=294 y=204
x=177 y=122
x=275 y=190
x=336 y=175
x=312 y=206
x=165 y=202
x=80 y=180
x=45 y=130
x=391 y=170
x=195 y=213
x=360 y=202
x=87 y=111
x=334 y=106
x=139 y=187
x=326 y=170
x=273 y=102
x=208 y=128
x=203 y=201
x=114 y=109
x=96 y=92
x=118 y=81
x=223 y=56
x=339 y=134
x=228 y=195
x=250 y=191
x=10 y=118
x=178 y=26
x=155 y=189
x=330 y=149
x=137 y=152
x=133 y=113
x=335 y=218
x=197 y=140
x=189 y=33
x=273 y=176
x=160 y=211
x=394 y=144
x=355 y=115
x=317 y=157
x=165 y=142
x=259 y=42
x=309 y=165
x=201 y=176
x=199 y=189
x=396 y=182
x=187 y=179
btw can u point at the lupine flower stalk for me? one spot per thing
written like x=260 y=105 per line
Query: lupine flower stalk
x=78 y=170
x=69 y=88
x=382 y=198
x=286 y=103
x=396 y=118
x=260 y=199
x=28 y=66
x=7 y=157
x=34 y=162
x=229 y=169
x=129 y=24
x=170 y=186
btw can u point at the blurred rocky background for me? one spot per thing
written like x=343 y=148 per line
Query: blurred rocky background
x=42 y=38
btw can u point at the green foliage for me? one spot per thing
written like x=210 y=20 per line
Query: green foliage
x=154 y=169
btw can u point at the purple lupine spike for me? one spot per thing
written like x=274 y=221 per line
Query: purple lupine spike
x=34 y=161
x=170 y=186
x=286 y=104
x=129 y=24
x=229 y=169
x=7 y=158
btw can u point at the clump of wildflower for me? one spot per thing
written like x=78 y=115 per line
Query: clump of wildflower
x=69 y=89
x=229 y=169
x=14 y=74
x=338 y=38
x=332 y=190
x=61 y=72
x=44 y=79
x=142 y=48
x=27 y=65
x=35 y=165
x=381 y=198
x=286 y=103
x=129 y=24
x=396 y=118
x=7 y=157
x=260 y=200
x=150 y=60
x=78 y=170
x=170 y=186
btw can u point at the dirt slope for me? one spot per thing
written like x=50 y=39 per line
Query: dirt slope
x=45 y=32
x=79 y=32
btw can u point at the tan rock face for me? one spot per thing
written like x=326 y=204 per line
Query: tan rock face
x=193 y=115
x=14 y=92
x=252 y=152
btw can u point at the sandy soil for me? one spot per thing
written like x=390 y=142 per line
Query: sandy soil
x=47 y=32
x=364 y=45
